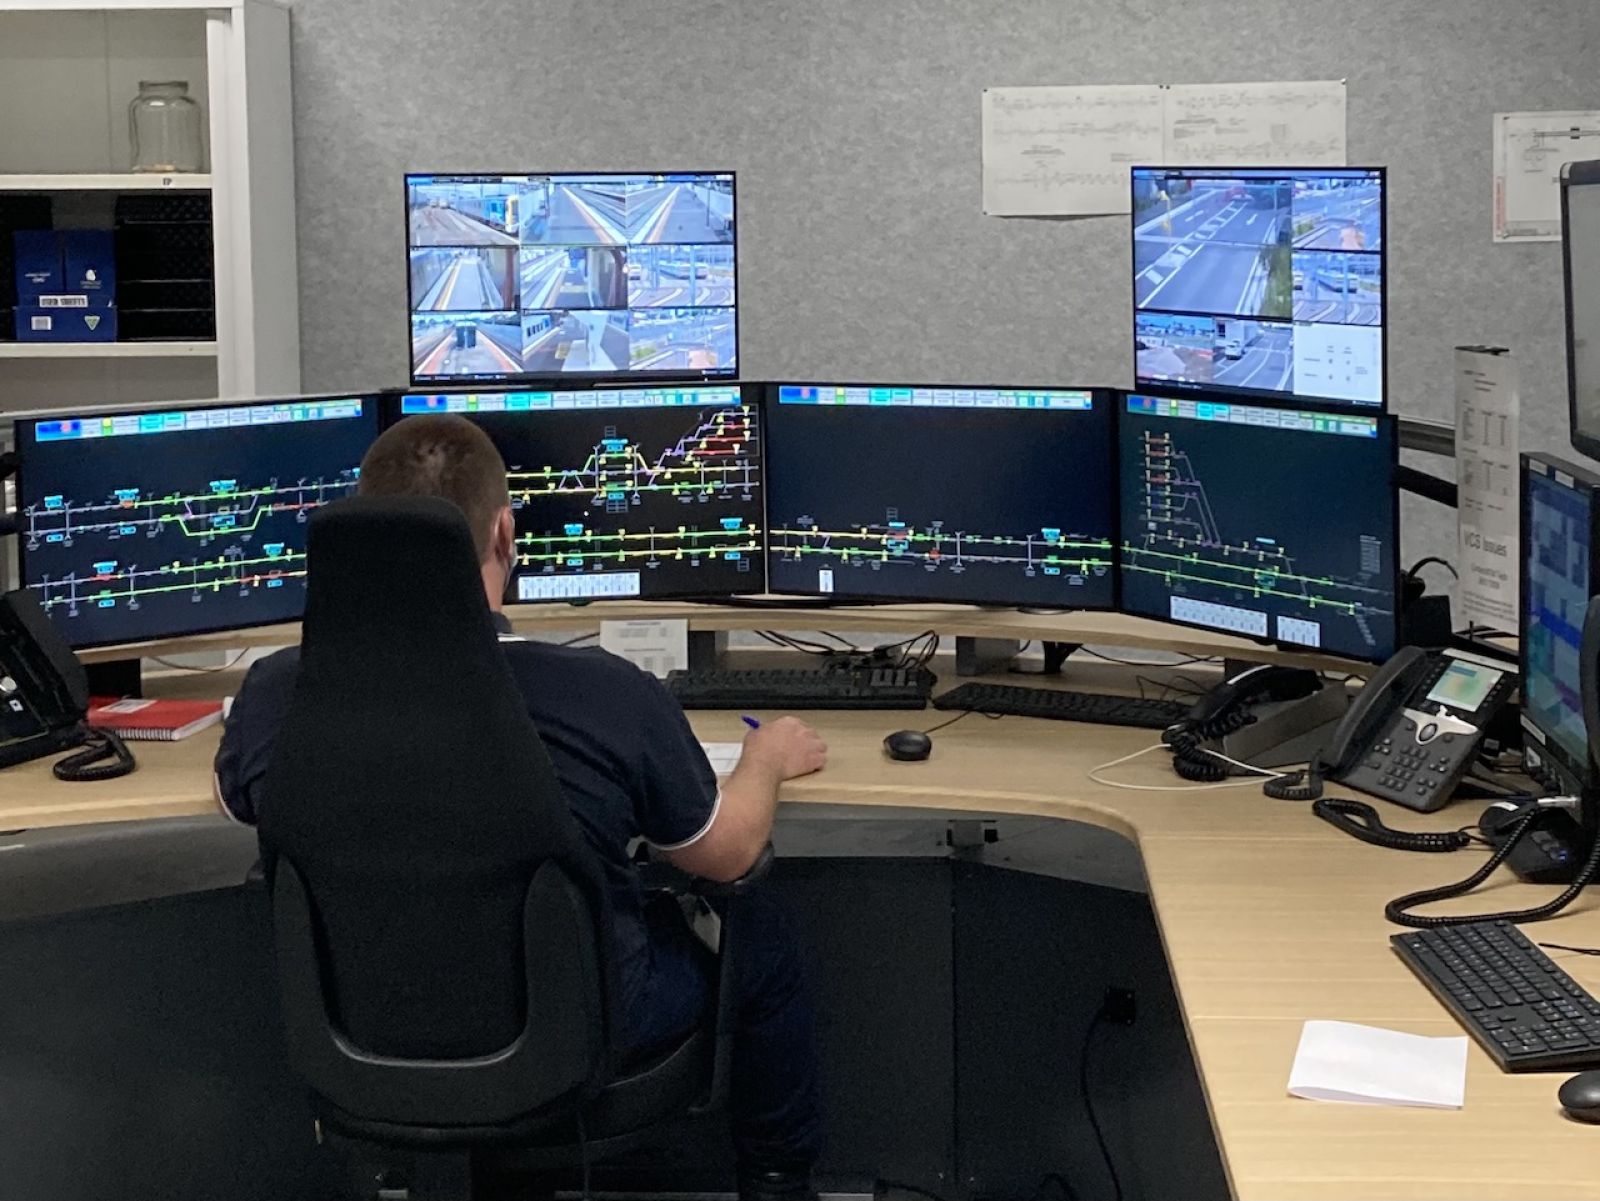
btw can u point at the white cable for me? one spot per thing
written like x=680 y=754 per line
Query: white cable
x=1094 y=774
x=1249 y=767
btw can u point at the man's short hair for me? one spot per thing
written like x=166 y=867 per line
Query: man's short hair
x=443 y=455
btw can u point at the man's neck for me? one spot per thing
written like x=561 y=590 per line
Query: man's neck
x=494 y=587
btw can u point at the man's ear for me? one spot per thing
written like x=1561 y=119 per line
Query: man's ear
x=505 y=535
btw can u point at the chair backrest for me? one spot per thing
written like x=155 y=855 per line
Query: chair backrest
x=438 y=914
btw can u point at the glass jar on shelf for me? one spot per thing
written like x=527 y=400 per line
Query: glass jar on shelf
x=164 y=128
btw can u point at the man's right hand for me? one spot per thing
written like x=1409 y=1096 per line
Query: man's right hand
x=787 y=746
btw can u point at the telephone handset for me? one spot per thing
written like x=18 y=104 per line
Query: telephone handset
x=1227 y=709
x=44 y=698
x=1413 y=732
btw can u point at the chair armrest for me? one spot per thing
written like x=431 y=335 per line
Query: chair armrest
x=713 y=890
x=726 y=1010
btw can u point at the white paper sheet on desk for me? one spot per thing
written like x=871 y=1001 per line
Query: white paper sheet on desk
x=724 y=756
x=1341 y=1061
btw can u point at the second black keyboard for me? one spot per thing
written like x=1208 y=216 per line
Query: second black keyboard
x=1096 y=707
x=798 y=688
x=1528 y=1014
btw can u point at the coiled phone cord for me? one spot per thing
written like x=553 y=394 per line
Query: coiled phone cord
x=1397 y=910
x=86 y=765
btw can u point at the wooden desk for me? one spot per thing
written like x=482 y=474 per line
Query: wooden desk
x=1269 y=917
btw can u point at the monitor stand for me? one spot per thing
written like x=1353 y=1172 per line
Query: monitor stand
x=115 y=677
x=986 y=656
x=1288 y=733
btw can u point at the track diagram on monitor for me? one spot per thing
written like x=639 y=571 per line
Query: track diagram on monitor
x=129 y=547
x=646 y=499
x=1219 y=581
x=897 y=543
x=223 y=509
x=719 y=457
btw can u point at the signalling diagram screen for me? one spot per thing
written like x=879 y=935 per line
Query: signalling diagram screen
x=1266 y=283
x=625 y=492
x=979 y=495
x=161 y=524
x=1267 y=523
x=540 y=277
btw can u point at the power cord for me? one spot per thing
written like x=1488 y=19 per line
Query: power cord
x=964 y=713
x=1098 y=778
x=228 y=666
x=1102 y=1015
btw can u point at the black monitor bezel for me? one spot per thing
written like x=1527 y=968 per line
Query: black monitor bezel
x=21 y=424
x=564 y=382
x=1111 y=396
x=390 y=415
x=1178 y=391
x=1567 y=775
x=1386 y=420
x=1580 y=175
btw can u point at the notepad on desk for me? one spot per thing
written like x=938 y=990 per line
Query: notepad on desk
x=1366 y=1065
x=724 y=756
x=143 y=720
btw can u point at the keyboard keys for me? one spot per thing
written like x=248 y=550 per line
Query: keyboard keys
x=1525 y=1011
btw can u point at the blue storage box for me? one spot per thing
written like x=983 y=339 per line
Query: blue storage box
x=89 y=266
x=38 y=254
x=39 y=323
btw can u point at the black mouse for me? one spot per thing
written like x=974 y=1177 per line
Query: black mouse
x=1580 y=1097
x=908 y=746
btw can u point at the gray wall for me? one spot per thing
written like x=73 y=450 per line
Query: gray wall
x=853 y=125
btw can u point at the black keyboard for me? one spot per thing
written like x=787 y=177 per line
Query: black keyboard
x=798 y=688
x=1524 y=1010
x=1063 y=706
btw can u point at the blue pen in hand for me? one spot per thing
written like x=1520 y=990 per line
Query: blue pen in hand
x=750 y=721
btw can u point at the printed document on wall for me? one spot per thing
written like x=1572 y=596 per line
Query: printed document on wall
x=1066 y=151
x=1488 y=484
x=1529 y=151
x=1256 y=125
x=1055 y=151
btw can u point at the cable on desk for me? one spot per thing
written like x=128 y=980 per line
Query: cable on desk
x=1555 y=946
x=1398 y=910
x=1094 y=774
x=1088 y=1103
x=228 y=666
x=959 y=716
x=580 y=638
x=1186 y=661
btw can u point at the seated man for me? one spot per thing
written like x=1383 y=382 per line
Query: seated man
x=643 y=776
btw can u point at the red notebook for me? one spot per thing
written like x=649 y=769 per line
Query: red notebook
x=153 y=721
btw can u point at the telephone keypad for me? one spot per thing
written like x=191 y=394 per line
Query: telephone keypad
x=1411 y=768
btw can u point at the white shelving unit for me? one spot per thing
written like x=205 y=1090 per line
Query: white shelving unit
x=107 y=350
x=132 y=181
x=68 y=69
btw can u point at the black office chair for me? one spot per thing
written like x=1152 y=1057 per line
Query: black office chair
x=442 y=934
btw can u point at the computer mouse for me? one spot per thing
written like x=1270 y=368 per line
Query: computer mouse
x=908 y=746
x=1580 y=1097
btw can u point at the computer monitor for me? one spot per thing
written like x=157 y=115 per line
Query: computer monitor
x=625 y=492
x=1560 y=572
x=1275 y=524
x=166 y=523
x=997 y=496
x=1580 y=225
x=572 y=277
x=1263 y=283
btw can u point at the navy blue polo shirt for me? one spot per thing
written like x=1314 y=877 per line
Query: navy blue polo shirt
x=628 y=764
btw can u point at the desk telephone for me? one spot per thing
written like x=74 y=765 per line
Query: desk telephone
x=1413 y=732
x=44 y=698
